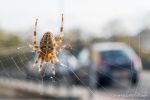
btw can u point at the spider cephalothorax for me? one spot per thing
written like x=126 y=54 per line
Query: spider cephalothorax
x=49 y=48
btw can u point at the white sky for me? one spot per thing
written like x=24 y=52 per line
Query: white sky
x=89 y=15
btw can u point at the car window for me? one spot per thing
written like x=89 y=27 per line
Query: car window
x=114 y=56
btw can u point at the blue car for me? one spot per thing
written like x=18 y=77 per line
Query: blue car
x=112 y=62
x=116 y=61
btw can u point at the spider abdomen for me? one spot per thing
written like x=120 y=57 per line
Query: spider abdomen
x=47 y=43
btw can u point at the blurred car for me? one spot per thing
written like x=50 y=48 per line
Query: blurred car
x=112 y=61
x=116 y=61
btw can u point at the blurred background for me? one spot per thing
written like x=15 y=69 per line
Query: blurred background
x=109 y=54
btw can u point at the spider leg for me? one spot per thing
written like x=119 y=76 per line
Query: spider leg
x=41 y=69
x=62 y=48
x=53 y=67
x=35 y=44
x=36 y=61
x=57 y=60
x=32 y=47
x=59 y=41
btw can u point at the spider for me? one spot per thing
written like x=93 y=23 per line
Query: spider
x=49 y=48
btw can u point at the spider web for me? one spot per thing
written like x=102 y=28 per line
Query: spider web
x=19 y=66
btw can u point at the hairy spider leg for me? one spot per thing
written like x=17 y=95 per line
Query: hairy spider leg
x=62 y=48
x=36 y=61
x=35 y=44
x=59 y=41
x=53 y=67
x=41 y=69
x=57 y=60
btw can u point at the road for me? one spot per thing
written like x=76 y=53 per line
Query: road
x=12 y=88
x=124 y=91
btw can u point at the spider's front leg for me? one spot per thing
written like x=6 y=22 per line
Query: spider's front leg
x=34 y=46
x=59 y=41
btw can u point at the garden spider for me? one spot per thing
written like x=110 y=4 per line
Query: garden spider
x=49 y=48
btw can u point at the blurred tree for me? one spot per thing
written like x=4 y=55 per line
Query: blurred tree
x=9 y=40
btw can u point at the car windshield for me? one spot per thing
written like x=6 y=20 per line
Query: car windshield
x=115 y=56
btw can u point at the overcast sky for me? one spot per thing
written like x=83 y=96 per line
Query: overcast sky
x=89 y=15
